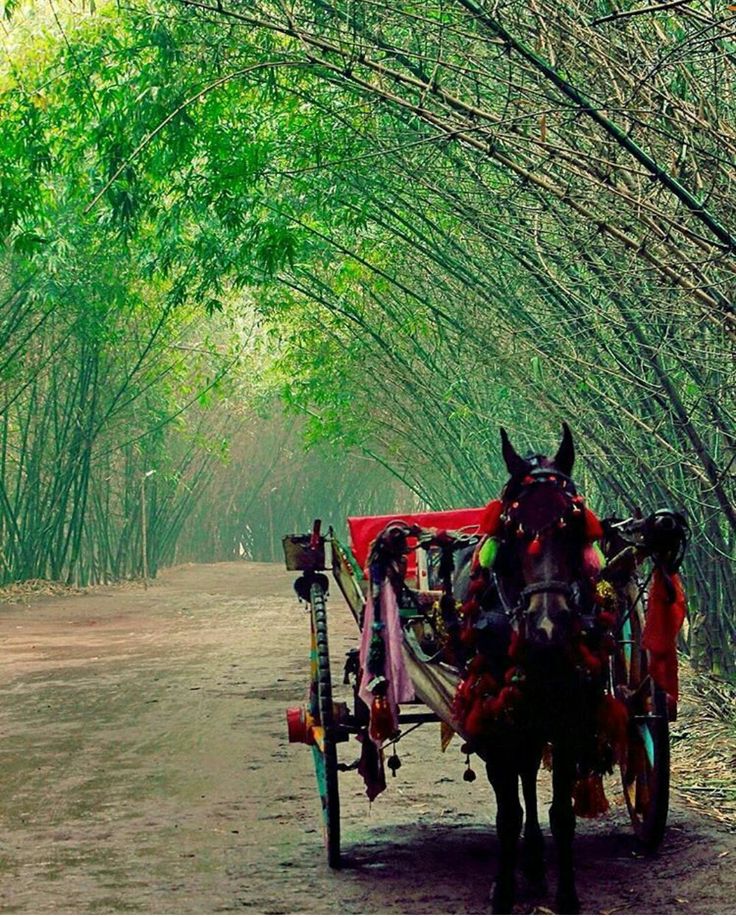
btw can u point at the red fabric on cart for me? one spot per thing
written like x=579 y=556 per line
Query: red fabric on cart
x=665 y=617
x=363 y=529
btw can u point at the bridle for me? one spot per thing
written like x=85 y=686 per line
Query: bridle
x=513 y=529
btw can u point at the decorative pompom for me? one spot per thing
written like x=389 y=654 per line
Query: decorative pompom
x=467 y=634
x=476 y=719
x=477 y=585
x=509 y=697
x=613 y=724
x=490 y=520
x=492 y=707
x=591 y=562
x=488 y=552
x=469 y=610
x=590 y=661
x=535 y=546
x=515 y=646
x=593 y=527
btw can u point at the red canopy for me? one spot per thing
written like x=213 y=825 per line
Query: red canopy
x=363 y=529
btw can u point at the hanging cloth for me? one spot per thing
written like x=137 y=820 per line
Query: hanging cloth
x=400 y=689
x=666 y=609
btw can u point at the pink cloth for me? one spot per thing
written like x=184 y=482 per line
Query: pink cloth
x=400 y=688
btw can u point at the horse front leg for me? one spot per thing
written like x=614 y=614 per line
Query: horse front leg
x=504 y=776
x=532 y=847
x=562 y=823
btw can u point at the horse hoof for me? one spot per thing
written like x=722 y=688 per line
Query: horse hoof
x=535 y=886
x=534 y=874
x=502 y=898
x=567 y=904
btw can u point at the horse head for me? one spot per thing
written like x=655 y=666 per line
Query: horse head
x=543 y=541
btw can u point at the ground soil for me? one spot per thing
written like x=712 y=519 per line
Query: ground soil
x=144 y=768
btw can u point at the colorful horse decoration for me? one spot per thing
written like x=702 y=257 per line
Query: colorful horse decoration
x=533 y=636
x=521 y=627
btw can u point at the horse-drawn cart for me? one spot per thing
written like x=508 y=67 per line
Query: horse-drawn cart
x=324 y=724
x=435 y=648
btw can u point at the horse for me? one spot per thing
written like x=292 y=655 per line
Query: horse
x=532 y=612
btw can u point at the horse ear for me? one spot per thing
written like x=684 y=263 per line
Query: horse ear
x=514 y=462
x=565 y=458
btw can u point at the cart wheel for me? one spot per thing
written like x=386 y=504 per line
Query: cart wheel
x=324 y=750
x=645 y=774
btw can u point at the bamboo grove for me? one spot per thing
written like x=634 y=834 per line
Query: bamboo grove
x=434 y=218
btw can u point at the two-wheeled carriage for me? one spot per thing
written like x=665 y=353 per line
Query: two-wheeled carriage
x=432 y=546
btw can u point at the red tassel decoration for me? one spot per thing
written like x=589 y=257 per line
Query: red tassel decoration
x=509 y=698
x=665 y=617
x=593 y=527
x=515 y=646
x=382 y=722
x=476 y=719
x=469 y=610
x=467 y=634
x=492 y=707
x=590 y=661
x=591 y=562
x=535 y=546
x=490 y=523
x=589 y=797
x=613 y=724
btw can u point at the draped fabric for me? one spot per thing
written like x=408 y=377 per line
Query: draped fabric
x=400 y=689
x=665 y=616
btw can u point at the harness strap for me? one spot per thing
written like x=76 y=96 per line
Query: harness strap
x=551 y=585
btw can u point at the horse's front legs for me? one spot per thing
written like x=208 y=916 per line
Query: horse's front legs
x=562 y=823
x=532 y=847
x=504 y=776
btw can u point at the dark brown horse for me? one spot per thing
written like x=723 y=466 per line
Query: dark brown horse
x=535 y=607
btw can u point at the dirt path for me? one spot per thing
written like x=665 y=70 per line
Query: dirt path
x=144 y=767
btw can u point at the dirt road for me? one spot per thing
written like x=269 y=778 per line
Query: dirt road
x=144 y=767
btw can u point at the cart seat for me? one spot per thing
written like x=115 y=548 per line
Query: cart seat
x=363 y=530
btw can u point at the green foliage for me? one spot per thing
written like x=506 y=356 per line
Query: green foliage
x=431 y=237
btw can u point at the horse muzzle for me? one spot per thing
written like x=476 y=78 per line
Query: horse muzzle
x=549 y=614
